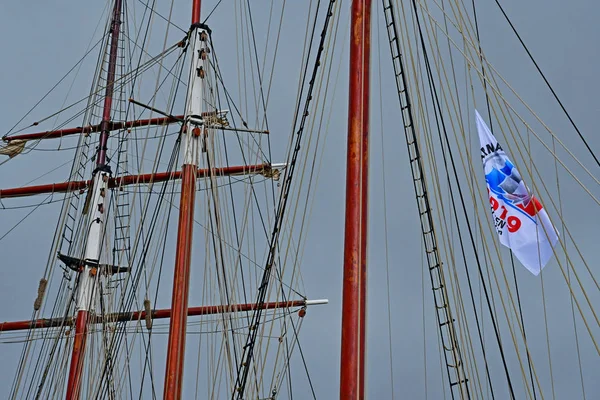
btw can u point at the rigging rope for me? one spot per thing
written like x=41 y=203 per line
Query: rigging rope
x=439 y=119
x=243 y=369
x=449 y=339
x=548 y=84
x=512 y=261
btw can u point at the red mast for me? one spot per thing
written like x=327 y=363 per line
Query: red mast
x=181 y=276
x=87 y=278
x=110 y=84
x=352 y=370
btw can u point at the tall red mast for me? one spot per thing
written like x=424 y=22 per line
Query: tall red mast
x=87 y=278
x=352 y=370
x=181 y=276
x=110 y=84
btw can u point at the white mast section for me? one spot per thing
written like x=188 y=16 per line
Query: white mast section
x=96 y=228
x=193 y=113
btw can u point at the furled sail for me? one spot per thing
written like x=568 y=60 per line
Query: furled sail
x=13 y=148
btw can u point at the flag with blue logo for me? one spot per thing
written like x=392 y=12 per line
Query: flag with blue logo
x=519 y=218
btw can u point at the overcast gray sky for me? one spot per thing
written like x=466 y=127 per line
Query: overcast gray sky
x=40 y=41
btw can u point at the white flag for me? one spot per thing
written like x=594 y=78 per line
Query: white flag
x=520 y=220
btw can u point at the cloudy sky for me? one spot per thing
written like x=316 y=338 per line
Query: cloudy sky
x=42 y=40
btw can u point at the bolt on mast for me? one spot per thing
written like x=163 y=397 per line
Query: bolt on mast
x=87 y=278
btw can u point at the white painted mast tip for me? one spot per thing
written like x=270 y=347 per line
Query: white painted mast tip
x=278 y=166
x=316 y=302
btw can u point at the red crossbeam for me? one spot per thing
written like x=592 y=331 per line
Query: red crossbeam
x=140 y=315
x=131 y=180
x=113 y=126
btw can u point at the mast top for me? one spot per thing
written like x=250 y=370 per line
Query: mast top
x=196 y=11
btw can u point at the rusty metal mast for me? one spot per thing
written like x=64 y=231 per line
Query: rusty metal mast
x=352 y=368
